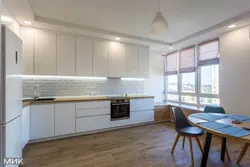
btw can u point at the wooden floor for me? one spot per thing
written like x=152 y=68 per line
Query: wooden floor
x=144 y=146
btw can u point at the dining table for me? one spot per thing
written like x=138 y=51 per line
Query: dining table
x=225 y=126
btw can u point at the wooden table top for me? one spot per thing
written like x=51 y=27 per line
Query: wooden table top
x=195 y=122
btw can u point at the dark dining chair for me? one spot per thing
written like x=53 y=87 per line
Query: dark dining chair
x=219 y=110
x=185 y=129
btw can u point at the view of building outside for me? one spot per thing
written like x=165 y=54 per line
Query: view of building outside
x=188 y=82
x=172 y=83
x=173 y=97
x=189 y=99
x=210 y=83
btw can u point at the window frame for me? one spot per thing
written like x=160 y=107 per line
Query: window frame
x=197 y=73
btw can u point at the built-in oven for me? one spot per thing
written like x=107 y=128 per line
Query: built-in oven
x=120 y=109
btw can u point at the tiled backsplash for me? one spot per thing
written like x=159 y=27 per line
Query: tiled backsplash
x=78 y=87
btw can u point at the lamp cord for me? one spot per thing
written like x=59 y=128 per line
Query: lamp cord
x=158 y=5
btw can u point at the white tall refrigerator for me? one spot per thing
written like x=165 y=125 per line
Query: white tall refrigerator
x=11 y=94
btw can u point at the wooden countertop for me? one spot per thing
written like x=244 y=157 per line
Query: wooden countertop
x=82 y=99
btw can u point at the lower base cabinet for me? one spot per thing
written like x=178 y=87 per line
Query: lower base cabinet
x=118 y=123
x=25 y=126
x=42 y=121
x=65 y=119
x=90 y=123
x=142 y=116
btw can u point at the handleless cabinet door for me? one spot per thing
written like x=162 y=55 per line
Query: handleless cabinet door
x=25 y=126
x=66 y=56
x=132 y=55
x=42 y=121
x=143 y=62
x=117 y=59
x=65 y=118
x=45 y=52
x=84 y=56
x=28 y=37
x=101 y=58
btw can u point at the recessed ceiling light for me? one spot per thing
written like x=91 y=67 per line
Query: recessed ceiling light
x=232 y=26
x=171 y=48
x=6 y=19
x=118 y=38
x=27 y=22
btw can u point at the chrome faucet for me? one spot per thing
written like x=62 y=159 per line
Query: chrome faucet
x=35 y=94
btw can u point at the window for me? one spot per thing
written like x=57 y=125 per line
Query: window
x=188 y=82
x=209 y=101
x=172 y=83
x=188 y=99
x=192 y=75
x=210 y=79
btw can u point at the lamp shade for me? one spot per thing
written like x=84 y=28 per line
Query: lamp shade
x=159 y=24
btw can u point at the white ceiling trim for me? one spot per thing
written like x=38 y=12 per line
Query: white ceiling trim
x=97 y=30
x=244 y=16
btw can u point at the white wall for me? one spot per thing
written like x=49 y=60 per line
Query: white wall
x=154 y=84
x=13 y=25
x=235 y=71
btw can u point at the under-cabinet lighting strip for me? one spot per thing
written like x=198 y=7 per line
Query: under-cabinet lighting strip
x=61 y=77
x=132 y=79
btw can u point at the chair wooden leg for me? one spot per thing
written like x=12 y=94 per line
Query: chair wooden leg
x=183 y=141
x=242 y=153
x=175 y=143
x=227 y=154
x=191 y=149
x=199 y=143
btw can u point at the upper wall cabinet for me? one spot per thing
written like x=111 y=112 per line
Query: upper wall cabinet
x=50 y=53
x=65 y=55
x=117 y=59
x=84 y=56
x=45 y=52
x=143 y=62
x=28 y=37
x=132 y=56
x=101 y=58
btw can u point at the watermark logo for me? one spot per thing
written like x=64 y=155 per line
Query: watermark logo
x=13 y=161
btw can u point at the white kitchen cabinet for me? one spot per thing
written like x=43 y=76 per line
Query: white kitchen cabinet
x=132 y=56
x=92 y=104
x=123 y=122
x=117 y=59
x=85 y=124
x=92 y=112
x=13 y=142
x=142 y=116
x=45 y=52
x=101 y=58
x=66 y=56
x=141 y=104
x=28 y=37
x=42 y=121
x=143 y=62
x=65 y=119
x=25 y=126
x=84 y=56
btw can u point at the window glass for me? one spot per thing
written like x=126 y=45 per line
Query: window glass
x=207 y=101
x=210 y=79
x=172 y=83
x=188 y=82
x=172 y=97
x=188 y=99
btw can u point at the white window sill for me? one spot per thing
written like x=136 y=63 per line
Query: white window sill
x=185 y=106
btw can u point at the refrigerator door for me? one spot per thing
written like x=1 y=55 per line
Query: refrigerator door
x=13 y=140
x=11 y=53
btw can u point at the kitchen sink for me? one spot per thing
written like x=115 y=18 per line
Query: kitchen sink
x=39 y=99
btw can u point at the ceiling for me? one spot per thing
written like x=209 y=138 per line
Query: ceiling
x=132 y=18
